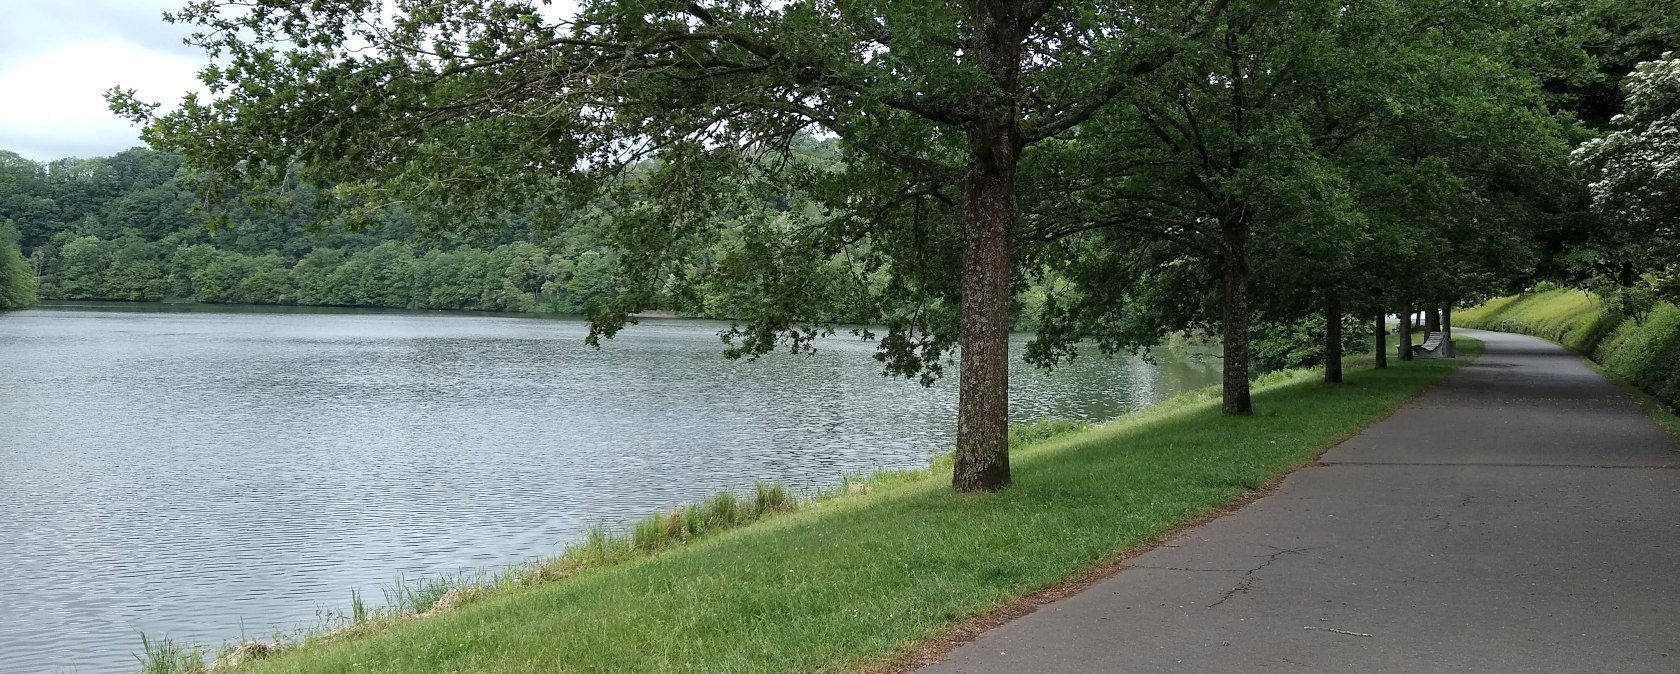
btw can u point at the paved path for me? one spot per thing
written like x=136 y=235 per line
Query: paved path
x=1521 y=516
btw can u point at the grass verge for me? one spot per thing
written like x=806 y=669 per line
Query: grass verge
x=1640 y=353
x=861 y=581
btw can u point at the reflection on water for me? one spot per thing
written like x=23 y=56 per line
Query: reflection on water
x=205 y=474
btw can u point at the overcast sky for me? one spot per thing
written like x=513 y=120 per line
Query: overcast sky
x=58 y=57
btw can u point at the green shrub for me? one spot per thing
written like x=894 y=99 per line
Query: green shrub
x=1285 y=345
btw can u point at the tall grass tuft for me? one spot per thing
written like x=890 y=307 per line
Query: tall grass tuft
x=720 y=512
x=770 y=497
x=165 y=656
x=649 y=534
x=1043 y=430
x=418 y=596
x=358 y=608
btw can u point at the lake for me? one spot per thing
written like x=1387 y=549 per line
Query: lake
x=210 y=473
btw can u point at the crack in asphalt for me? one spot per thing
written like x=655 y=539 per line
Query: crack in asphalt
x=1186 y=568
x=1247 y=580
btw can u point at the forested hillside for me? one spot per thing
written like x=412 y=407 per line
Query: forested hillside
x=124 y=228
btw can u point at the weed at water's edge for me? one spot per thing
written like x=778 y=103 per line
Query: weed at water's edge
x=164 y=656
x=419 y=596
x=358 y=608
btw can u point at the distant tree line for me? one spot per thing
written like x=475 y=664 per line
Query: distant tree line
x=123 y=228
x=515 y=277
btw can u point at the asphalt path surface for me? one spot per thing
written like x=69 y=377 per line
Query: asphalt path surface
x=1523 y=515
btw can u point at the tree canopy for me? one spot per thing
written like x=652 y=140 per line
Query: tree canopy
x=1635 y=179
x=17 y=278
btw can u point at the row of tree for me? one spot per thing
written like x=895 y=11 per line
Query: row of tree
x=517 y=277
x=1150 y=167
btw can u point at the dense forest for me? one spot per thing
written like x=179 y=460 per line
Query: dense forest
x=126 y=228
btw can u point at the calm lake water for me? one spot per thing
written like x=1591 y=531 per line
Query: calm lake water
x=205 y=474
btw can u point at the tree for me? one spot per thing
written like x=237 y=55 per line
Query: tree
x=83 y=262
x=463 y=111
x=17 y=277
x=1618 y=35
x=1635 y=173
x=593 y=283
x=378 y=277
x=139 y=281
x=311 y=275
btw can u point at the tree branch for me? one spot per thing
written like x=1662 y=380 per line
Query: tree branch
x=1078 y=114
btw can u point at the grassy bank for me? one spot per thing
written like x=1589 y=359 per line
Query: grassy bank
x=1644 y=353
x=853 y=583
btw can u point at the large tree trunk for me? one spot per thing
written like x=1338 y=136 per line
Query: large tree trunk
x=1332 y=337
x=982 y=456
x=1234 y=312
x=1381 y=335
x=1406 y=333
x=1432 y=320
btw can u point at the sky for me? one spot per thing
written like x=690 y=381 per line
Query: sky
x=58 y=57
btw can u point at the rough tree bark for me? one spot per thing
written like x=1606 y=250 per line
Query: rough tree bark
x=1234 y=312
x=1381 y=334
x=994 y=146
x=1432 y=320
x=1406 y=332
x=1332 y=337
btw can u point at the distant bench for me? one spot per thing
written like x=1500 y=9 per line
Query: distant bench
x=1437 y=345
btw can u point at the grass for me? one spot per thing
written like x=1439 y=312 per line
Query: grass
x=1641 y=353
x=165 y=656
x=862 y=576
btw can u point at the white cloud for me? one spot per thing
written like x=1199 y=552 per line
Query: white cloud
x=57 y=58
x=55 y=103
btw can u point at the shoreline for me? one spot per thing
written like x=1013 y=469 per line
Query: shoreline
x=863 y=515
